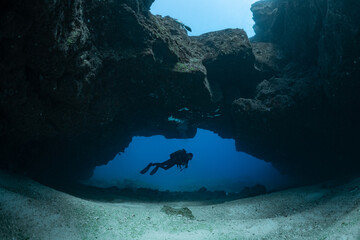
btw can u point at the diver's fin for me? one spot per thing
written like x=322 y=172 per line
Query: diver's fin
x=154 y=170
x=146 y=169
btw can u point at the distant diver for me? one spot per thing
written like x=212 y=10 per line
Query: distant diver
x=183 y=25
x=180 y=158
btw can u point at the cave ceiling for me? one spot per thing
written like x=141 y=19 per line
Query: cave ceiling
x=79 y=79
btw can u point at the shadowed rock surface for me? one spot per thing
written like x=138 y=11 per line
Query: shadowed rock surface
x=80 y=78
x=308 y=110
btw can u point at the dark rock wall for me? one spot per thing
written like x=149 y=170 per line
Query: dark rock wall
x=315 y=97
x=229 y=61
x=320 y=32
x=80 y=78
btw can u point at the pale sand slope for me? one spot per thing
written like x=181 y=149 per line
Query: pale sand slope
x=29 y=210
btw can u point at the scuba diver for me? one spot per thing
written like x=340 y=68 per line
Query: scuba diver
x=180 y=158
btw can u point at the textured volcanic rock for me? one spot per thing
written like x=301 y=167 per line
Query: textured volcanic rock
x=229 y=61
x=306 y=115
x=80 y=78
x=313 y=31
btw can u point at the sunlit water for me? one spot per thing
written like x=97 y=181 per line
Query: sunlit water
x=216 y=165
x=208 y=15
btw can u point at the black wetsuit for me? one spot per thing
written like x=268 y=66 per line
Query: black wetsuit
x=179 y=158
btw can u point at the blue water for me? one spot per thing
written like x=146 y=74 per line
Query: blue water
x=208 y=15
x=216 y=165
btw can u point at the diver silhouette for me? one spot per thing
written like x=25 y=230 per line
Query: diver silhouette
x=180 y=158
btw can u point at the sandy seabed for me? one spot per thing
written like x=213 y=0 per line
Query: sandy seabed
x=29 y=210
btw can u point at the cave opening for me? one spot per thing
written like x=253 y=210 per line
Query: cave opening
x=207 y=16
x=216 y=166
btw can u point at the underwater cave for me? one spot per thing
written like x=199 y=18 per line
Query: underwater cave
x=216 y=165
x=263 y=94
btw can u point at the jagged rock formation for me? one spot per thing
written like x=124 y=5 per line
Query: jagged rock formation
x=79 y=79
x=308 y=110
